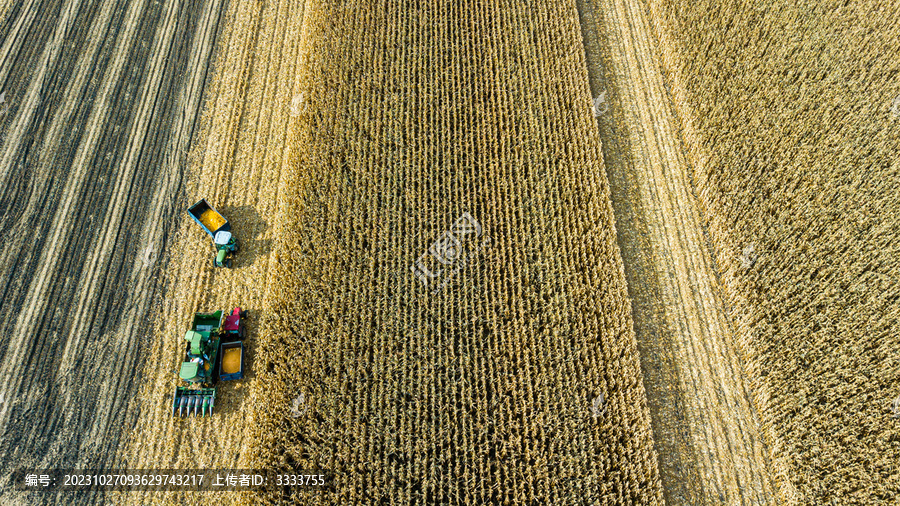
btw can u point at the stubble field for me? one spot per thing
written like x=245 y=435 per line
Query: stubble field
x=98 y=107
x=237 y=165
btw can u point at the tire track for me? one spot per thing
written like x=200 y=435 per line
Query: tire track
x=48 y=60
x=53 y=254
x=716 y=454
x=105 y=134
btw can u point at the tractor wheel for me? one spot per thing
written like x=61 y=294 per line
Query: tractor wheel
x=214 y=263
x=228 y=263
x=242 y=332
x=245 y=314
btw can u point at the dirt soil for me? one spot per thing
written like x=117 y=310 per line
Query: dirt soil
x=100 y=104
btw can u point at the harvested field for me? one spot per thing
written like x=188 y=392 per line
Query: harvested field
x=790 y=115
x=236 y=166
x=99 y=102
x=513 y=376
x=706 y=432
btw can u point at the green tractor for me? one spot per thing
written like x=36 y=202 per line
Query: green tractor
x=218 y=228
x=200 y=368
x=225 y=246
x=213 y=352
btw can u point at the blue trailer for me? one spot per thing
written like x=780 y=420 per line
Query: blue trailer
x=232 y=361
x=218 y=228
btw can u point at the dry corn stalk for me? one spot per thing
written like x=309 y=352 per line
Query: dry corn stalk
x=794 y=149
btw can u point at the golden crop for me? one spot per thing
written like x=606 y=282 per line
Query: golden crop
x=212 y=220
x=484 y=390
x=789 y=123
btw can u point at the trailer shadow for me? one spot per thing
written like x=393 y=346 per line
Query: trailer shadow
x=249 y=227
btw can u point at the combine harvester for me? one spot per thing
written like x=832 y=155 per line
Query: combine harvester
x=218 y=228
x=213 y=351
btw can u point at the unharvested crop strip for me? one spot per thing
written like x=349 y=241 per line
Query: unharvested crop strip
x=408 y=127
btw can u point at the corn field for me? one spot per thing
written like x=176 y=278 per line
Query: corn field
x=557 y=252
x=511 y=375
x=789 y=122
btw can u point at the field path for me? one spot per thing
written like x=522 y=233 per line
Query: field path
x=706 y=431
x=100 y=104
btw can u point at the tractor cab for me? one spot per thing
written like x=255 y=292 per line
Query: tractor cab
x=233 y=326
x=225 y=245
x=190 y=371
x=224 y=238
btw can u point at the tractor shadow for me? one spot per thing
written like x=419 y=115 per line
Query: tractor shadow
x=248 y=226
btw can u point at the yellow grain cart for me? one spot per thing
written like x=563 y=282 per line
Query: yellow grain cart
x=218 y=228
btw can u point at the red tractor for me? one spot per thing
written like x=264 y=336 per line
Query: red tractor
x=232 y=347
x=233 y=327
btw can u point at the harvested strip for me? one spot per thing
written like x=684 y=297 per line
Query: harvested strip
x=99 y=104
x=235 y=163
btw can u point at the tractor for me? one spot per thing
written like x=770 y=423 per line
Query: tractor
x=218 y=228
